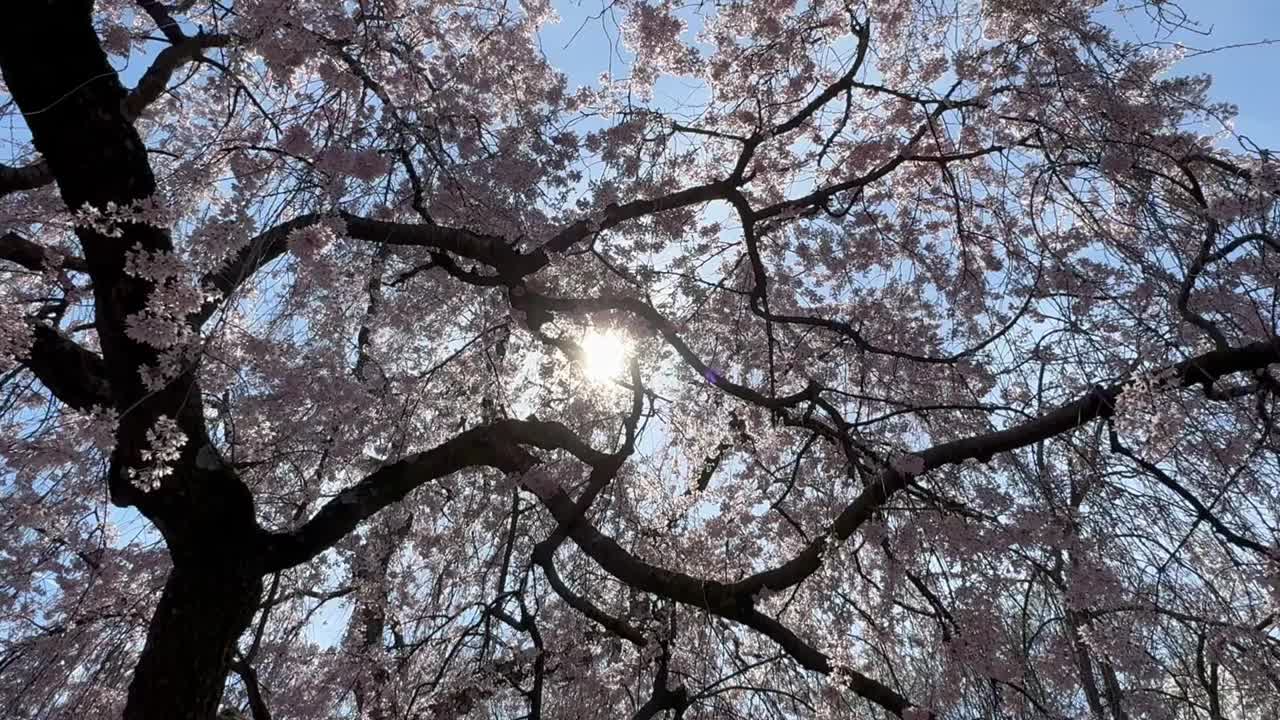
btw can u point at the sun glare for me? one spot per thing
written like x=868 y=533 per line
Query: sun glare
x=604 y=355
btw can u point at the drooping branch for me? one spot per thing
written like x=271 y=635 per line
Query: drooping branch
x=708 y=595
x=499 y=446
x=1202 y=511
x=615 y=625
x=1098 y=403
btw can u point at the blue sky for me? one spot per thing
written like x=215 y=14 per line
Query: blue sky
x=1244 y=75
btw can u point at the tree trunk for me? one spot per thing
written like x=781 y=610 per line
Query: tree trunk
x=75 y=107
x=193 y=633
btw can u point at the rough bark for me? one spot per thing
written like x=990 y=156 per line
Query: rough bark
x=81 y=123
x=189 y=646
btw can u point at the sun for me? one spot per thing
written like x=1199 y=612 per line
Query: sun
x=604 y=355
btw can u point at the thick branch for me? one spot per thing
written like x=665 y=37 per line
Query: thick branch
x=34 y=256
x=249 y=676
x=163 y=19
x=156 y=79
x=262 y=249
x=25 y=177
x=1098 y=403
x=617 y=214
x=484 y=446
x=76 y=376
x=490 y=250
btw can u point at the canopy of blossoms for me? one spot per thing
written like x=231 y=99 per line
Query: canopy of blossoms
x=814 y=359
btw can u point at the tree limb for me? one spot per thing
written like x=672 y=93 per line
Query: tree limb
x=1098 y=403
x=34 y=256
x=262 y=249
x=25 y=177
x=76 y=376
x=156 y=79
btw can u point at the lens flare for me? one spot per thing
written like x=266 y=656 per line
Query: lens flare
x=604 y=355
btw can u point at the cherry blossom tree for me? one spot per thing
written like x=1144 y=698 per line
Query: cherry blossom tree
x=943 y=342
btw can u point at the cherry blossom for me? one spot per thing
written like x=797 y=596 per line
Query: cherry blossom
x=760 y=358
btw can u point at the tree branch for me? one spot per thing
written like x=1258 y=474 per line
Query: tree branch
x=491 y=250
x=262 y=249
x=483 y=446
x=34 y=256
x=163 y=19
x=25 y=177
x=156 y=79
x=498 y=445
x=249 y=675
x=75 y=376
x=1097 y=403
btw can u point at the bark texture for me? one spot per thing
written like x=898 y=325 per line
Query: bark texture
x=81 y=122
